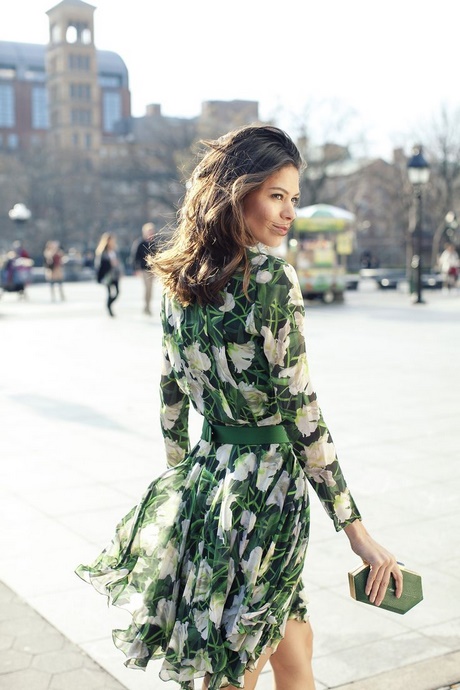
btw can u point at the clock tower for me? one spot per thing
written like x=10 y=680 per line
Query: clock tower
x=73 y=88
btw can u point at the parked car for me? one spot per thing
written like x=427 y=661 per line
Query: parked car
x=392 y=278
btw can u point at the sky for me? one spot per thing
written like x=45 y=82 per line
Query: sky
x=348 y=69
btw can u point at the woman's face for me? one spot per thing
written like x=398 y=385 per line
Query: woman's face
x=270 y=209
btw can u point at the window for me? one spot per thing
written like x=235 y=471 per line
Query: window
x=80 y=116
x=40 y=119
x=80 y=92
x=79 y=63
x=35 y=74
x=75 y=139
x=7 y=114
x=88 y=141
x=13 y=141
x=7 y=72
x=110 y=81
x=71 y=35
x=111 y=110
x=56 y=33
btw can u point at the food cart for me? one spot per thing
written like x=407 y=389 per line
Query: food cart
x=319 y=240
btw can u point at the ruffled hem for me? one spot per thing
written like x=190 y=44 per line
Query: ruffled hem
x=208 y=569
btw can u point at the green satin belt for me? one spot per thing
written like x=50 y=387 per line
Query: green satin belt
x=244 y=435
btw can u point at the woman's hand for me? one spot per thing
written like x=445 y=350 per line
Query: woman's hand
x=383 y=563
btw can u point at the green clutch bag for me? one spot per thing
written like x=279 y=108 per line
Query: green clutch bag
x=411 y=596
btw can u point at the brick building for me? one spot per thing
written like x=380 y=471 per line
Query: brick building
x=68 y=92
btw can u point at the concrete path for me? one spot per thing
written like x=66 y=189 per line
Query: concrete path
x=80 y=441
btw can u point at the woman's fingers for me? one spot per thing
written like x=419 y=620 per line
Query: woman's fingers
x=379 y=579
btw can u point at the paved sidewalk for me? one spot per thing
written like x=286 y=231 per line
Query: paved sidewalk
x=80 y=442
x=36 y=656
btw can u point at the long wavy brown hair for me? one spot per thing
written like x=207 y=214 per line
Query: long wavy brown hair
x=211 y=238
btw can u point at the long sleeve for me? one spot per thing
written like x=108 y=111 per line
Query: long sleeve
x=281 y=324
x=174 y=411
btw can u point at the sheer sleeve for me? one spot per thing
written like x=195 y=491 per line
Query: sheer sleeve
x=281 y=324
x=174 y=410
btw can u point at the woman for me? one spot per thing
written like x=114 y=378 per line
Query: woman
x=54 y=272
x=210 y=562
x=108 y=267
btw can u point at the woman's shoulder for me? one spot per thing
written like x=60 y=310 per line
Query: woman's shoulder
x=268 y=267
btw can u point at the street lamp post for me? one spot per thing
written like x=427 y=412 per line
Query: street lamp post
x=20 y=214
x=419 y=174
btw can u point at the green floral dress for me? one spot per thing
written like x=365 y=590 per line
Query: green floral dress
x=209 y=562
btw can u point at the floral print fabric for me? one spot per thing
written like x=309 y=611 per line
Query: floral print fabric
x=209 y=563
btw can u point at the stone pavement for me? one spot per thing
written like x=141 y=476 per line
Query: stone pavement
x=80 y=442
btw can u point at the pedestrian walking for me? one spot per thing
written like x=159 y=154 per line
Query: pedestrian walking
x=54 y=270
x=107 y=266
x=16 y=270
x=210 y=562
x=143 y=248
x=449 y=265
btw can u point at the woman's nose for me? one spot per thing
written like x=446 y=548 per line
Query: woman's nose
x=289 y=211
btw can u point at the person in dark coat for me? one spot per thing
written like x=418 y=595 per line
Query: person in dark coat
x=143 y=248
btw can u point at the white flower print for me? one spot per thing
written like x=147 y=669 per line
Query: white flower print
x=230 y=613
x=203 y=581
x=255 y=398
x=270 y=464
x=169 y=414
x=229 y=302
x=204 y=448
x=196 y=359
x=299 y=381
x=241 y=355
x=178 y=638
x=137 y=650
x=251 y=567
x=275 y=348
x=216 y=608
x=248 y=520
x=299 y=319
x=307 y=418
x=175 y=313
x=250 y=326
x=342 y=506
x=169 y=562
x=267 y=559
x=222 y=455
x=300 y=486
x=263 y=277
x=164 y=615
x=244 y=465
x=146 y=540
x=226 y=516
x=295 y=293
x=225 y=406
x=192 y=476
x=259 y=259
x=172 y=349
x=278 y=494
x=195 y=389
x=166 y=367
x=166 y=513
x=200 y=618
x=259 y=592
x=319 y=455
x=174 y=453
x=269 y=421
x=200 y=662
x=223 y=371
x=189 y=585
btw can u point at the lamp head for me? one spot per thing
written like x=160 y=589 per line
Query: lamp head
x=418 y=168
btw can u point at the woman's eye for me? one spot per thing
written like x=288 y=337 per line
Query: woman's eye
x=296 y=201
